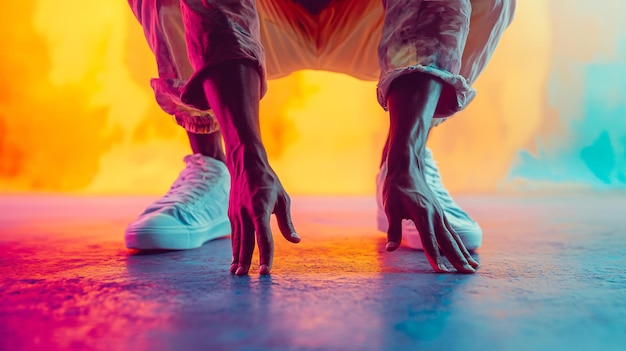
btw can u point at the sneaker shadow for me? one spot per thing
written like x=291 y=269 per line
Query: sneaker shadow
x=214 y=256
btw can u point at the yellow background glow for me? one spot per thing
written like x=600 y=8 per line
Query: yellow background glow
x=77 y=113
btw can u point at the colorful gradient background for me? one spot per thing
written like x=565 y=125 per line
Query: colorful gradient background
x=77 y=114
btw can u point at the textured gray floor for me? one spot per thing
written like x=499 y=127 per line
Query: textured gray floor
x=553 y=277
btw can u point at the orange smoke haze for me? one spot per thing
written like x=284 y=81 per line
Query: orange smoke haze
x=77 y=113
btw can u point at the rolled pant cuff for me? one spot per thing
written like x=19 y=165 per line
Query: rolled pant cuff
x=168 y=92
x=192 y=94
x=456 y=93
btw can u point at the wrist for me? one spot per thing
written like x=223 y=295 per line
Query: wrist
x=246 y=155
x=405 y=156
x=406 y=147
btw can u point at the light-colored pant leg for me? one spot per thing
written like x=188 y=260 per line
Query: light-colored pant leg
x=189 y=36
x=218 y=31
x=163 y=28
x=489 y=20
x=450 y=39
x=427 y=37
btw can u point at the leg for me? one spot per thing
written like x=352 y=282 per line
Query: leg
x=163 y=26
x=194 y=210
x=209 y=145
x=489 y=20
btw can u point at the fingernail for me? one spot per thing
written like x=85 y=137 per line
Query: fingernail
x=392 y=245
x=264 y=269
x=469 y=268
x=296 y=236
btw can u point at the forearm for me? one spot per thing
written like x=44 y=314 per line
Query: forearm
x=412 y=101
x=233 y=91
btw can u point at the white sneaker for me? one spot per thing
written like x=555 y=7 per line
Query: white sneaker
x=192 y=212
x=470 y=232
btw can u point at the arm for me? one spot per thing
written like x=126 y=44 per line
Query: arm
x=233 y=92
x=406 y=195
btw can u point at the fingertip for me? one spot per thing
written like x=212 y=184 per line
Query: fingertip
x=394 y=234
x=283 y=217
x=468 y=269
x=473 y=262
x=292 y=237
x=295 y=238
x=233 y=268
x=441 y=268
x=242 y=270
x=264 y=269
x=392 y=246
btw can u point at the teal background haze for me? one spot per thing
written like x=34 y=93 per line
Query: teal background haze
x=582 y=142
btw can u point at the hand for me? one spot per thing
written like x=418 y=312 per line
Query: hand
x=256 y=193
x=406 y=195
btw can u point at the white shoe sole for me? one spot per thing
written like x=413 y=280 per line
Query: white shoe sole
x=167 y=239
x=470 y=236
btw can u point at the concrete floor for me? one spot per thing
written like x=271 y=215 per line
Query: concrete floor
x=553 y=277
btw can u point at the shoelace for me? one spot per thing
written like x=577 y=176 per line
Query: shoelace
x=192 y=183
